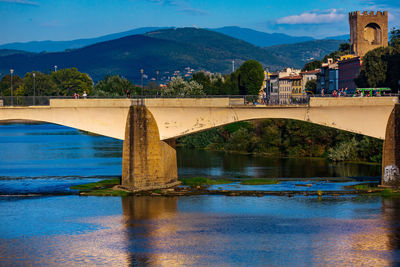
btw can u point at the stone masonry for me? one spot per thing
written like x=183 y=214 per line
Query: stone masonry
x=148 y=163
x=368 y=31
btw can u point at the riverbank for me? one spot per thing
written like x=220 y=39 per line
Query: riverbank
x=247 y=187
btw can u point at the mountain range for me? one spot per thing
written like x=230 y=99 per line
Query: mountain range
x=254 y=37
x=165 y=50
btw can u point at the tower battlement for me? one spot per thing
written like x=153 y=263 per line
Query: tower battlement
x=371 y=14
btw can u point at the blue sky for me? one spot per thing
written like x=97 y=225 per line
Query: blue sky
x=36 y=20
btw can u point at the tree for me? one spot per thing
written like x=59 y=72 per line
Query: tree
x=5 y=84
x=311 y=86
x=344 y=47
x=114 y=86
x=250 y=77
x=395 y=38
x=179 y=87
x=70 y=81
x=44 y=85
x=213 y=84
x=312 y=65
x=375 y=68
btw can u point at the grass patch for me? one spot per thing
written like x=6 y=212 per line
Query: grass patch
x=100 y=188
x=201 y=181
x=366 y=187
x=107 y=192
x=259 y=181
x=97 y=185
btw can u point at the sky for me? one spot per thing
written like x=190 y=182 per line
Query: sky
x=38 y=20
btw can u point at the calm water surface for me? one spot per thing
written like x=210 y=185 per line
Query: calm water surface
x=197 y=230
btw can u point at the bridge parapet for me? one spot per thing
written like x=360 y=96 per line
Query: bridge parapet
x=353 y=101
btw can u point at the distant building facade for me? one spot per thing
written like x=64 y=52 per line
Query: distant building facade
x=328 y=77
x=308 y=76
x=349 y=69
x=285 y=90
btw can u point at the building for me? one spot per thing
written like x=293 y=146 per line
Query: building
x=328 y=77
x=308 y=76
x=297 y=89
x=272 y=88
x=285 y=90
x=368 y=31
x=349 y=69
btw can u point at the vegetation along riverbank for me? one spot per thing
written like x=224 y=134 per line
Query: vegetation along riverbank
x=287 y=138
x=201 y=186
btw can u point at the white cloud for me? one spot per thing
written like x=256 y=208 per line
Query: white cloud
x=314 y=17
x=21 y=2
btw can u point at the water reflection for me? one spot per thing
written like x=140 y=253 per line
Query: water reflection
x=391 y=207
x=142 y=234
x=220 y=164
x=200 y=231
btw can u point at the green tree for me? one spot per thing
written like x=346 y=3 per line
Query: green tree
x=344 y=47
x=375 y=68
x=311 y=86
x=250 y=77
x=179 y=87
x=44 y=85
x=70 y=81
x=114 y=86
x=5 y=84
x=312 y=65
x=395 y=38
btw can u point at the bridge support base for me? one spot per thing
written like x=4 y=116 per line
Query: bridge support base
x=391 y=150
x=147 y=162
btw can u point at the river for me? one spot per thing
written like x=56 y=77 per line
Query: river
x=42 y=226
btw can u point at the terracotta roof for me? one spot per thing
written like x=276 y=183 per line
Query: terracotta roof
x=297 y=77
x=311 y=71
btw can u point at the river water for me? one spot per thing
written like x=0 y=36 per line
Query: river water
x=40 y=228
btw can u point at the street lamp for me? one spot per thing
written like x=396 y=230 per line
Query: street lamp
x=141 y=79
x=34 y=87
x=157 y=72
x=12 y=101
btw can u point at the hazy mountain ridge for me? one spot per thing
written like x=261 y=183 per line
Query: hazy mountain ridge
x=254 y=37
x=166 y=50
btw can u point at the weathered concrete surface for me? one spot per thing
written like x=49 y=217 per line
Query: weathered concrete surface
x=147 y=162
x=149 y=157
x=366 y=116
x=391 y=150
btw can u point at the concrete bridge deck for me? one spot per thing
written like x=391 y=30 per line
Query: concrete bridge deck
x=149 y=127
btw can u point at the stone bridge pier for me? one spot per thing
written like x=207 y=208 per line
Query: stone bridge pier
x=147 y=162
x=391 y=150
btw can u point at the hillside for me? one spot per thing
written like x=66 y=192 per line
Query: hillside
x=261 y=39
x=166 y=50
x=58 y=46
x=297 y=55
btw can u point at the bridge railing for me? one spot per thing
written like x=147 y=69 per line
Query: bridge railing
x=234 y=100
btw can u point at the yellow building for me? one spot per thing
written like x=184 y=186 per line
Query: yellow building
x=297 y=90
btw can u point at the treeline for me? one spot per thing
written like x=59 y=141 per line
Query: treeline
x=381 y=66
x=287 y=138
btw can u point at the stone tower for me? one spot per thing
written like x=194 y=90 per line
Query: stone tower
x=368 y=31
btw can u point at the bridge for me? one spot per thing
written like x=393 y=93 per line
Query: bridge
x=149 y=127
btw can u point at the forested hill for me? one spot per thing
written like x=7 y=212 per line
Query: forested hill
x=296 y=55
x=165 y=50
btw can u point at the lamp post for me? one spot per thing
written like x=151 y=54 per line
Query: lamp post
x=34 y=87
x=11 y=80
x=141 y=79
x=157 y=72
